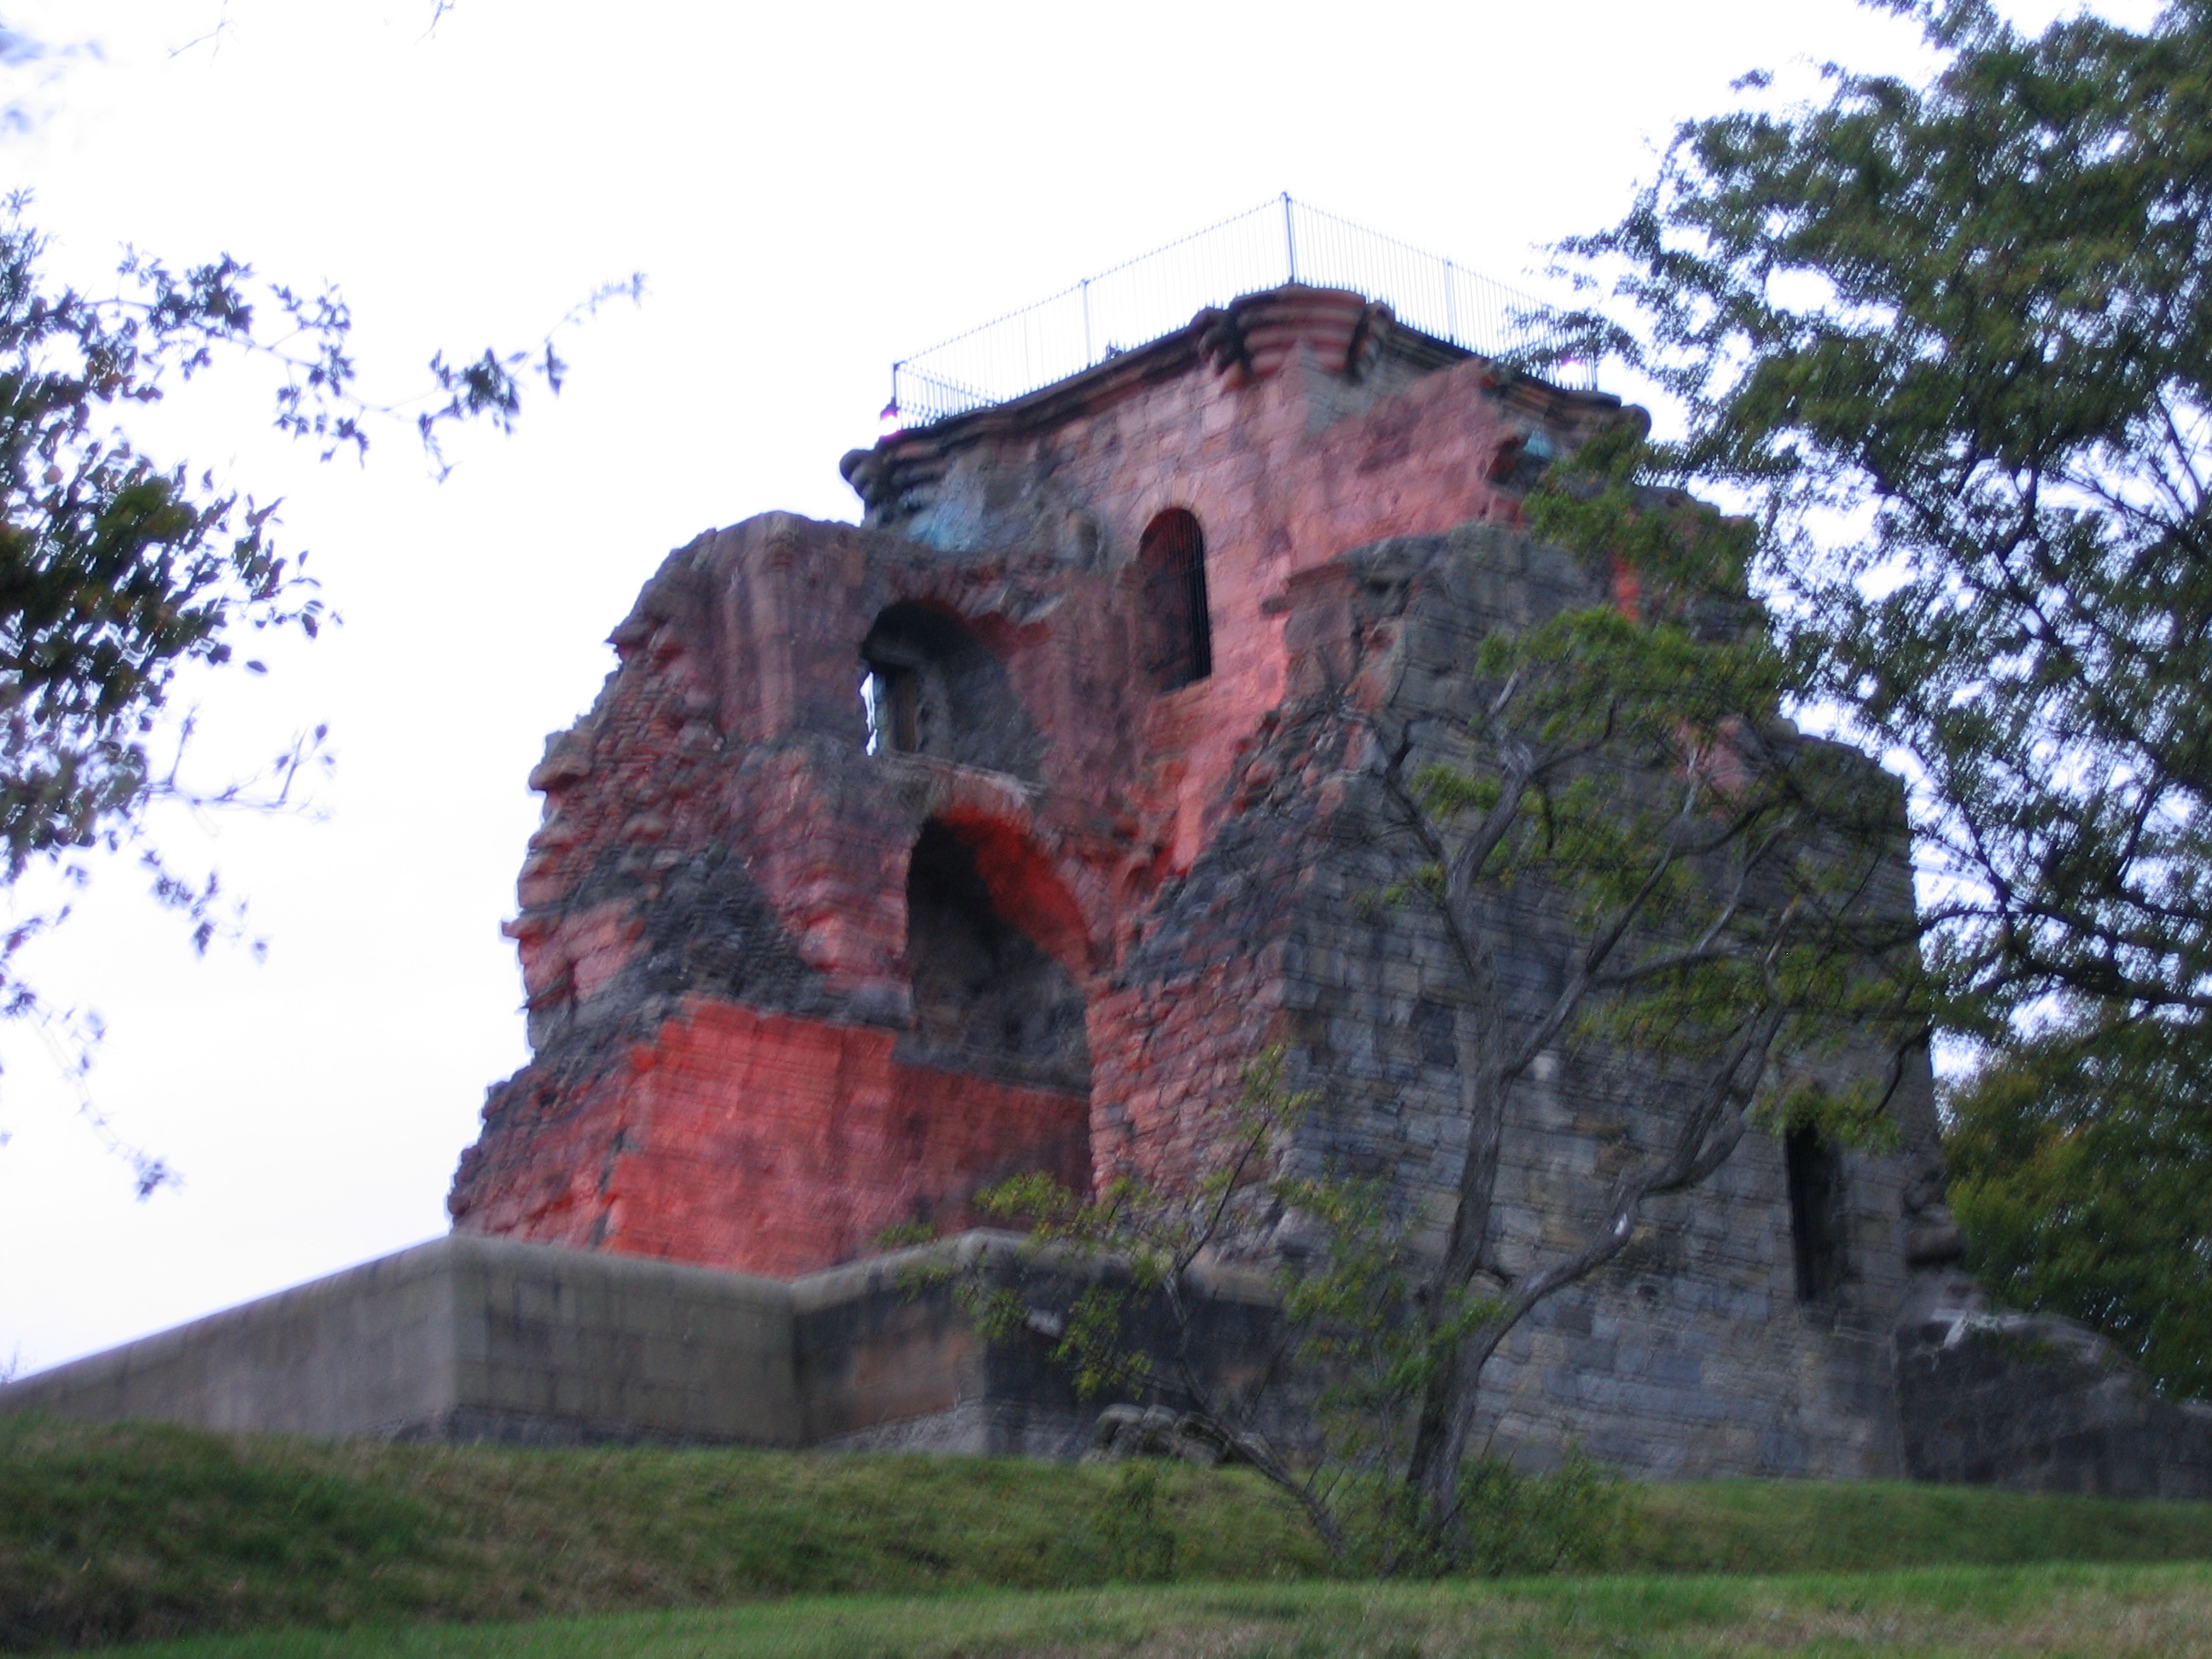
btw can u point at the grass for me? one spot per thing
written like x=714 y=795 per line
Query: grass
x=119 y=1532
x=1850 y=1525
x=2163 y=1611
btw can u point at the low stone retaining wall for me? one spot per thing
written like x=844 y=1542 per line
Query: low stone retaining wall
x=1989 y=1397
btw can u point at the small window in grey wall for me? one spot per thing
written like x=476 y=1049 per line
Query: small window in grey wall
x=1818 y=1221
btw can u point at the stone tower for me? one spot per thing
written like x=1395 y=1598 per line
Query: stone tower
x=976 y=839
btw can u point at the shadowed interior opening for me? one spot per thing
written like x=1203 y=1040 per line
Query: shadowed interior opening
x=1178 y=627
x=985 y=998
x=1816 y=1213
x=929 y=686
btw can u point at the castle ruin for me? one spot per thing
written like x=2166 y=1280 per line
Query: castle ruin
x=900 y=859
x=983 y=838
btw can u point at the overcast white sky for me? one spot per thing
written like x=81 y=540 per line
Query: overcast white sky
x=812 y=191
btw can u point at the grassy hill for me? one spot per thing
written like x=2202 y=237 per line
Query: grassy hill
x=1923 y=1613
x=110 y=1533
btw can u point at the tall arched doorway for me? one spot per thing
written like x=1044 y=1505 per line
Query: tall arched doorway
x=986 y=997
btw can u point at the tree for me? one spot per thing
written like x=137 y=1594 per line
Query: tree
x=118 y=573
x=1719 y=878
x=1949 y=345
x=1713 y=885
x=1348 y=1355
x=2077 y=1163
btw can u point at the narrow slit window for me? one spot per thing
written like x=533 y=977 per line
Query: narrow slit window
x=1814 y=1174
x=1177 y=623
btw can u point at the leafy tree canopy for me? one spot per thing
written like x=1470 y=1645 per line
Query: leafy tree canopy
x=2077 y=1169
x=1949 y=342
x=1952 y=344
x=119 y=572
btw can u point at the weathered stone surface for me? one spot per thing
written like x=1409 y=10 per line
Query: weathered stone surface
x=897 y=858
x=466 y=1338
x=733 y=904
x=2038 y=1404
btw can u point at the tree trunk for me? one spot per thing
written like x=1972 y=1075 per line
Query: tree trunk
x=1439 y=1431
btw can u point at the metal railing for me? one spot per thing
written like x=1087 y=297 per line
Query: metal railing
x=1155 y=294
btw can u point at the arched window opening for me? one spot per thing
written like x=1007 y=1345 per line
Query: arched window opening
x=1817 y=1223
x=985 y=998
x=929 y=686
x=1177 y=624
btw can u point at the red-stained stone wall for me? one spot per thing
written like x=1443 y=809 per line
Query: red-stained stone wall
x=777 y=1144
x=714 y=928
x=1295 y=426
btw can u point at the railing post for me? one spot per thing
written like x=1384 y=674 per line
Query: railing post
x=1451 y=308
x=1290 y=241
x=1088 y=357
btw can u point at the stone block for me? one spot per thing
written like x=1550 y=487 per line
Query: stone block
x=426 y=1343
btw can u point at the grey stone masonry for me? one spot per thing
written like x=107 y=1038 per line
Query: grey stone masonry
x=1994 y=1398
x=471 y=1339
x=465 y=1337
x=1695 y=1352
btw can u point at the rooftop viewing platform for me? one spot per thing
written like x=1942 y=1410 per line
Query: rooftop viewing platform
x=1279 y=241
